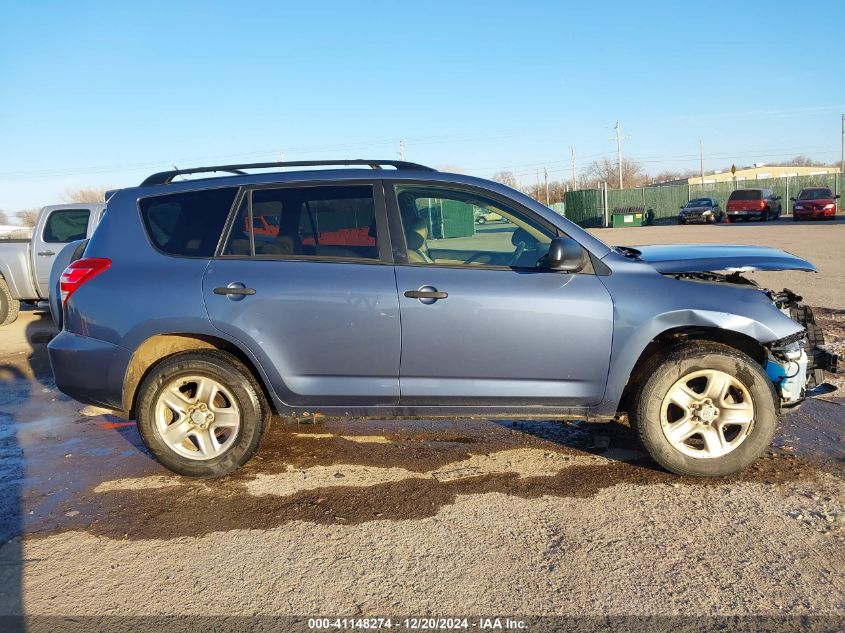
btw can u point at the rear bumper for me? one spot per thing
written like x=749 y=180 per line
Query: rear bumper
x=746 y=214
x=89 y=370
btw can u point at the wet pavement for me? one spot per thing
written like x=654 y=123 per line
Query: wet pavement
x=61 y=456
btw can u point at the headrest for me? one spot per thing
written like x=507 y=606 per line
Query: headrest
x=415 y=241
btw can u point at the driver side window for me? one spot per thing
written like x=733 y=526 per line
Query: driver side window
x=448 y=227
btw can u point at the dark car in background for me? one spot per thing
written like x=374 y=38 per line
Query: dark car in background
x=748 y=204
x=701 y=210
x=814 y=203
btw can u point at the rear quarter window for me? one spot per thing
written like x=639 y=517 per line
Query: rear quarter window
x=187 y=224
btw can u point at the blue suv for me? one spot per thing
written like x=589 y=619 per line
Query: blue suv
x=203 y=306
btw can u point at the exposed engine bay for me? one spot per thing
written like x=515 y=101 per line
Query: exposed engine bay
x=795 y=364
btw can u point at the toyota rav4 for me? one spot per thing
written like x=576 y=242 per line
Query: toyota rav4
x=186 y=315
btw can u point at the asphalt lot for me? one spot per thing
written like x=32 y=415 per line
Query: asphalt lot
x=423 y=517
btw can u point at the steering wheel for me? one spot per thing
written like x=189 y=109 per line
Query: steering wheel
x=520 y=249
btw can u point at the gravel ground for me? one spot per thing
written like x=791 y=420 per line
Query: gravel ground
x=381 y=517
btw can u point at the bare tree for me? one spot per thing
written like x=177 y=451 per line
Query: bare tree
x=86 y=194
x=606 y=170
x=506 y=178
x=28 y=217
x=557 y=191
x=4 y=219
x=802 y=161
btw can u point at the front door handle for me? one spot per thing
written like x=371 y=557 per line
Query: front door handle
x=426 y=294
x=234 y=291
x=45 y=253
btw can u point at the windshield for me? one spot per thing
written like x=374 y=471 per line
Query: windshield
x=746 y=194
x=699 y=202
x=815 y=194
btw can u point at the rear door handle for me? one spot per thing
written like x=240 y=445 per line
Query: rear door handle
x=241 y=292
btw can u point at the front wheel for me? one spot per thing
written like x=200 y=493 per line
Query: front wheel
x=705 y=409
x=201 y=414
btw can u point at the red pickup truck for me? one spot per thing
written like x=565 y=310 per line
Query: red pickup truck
x=814 y=203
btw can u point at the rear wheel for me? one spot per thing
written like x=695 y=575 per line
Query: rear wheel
x=794 y=218
x=681 y=221
x=201 y=414
x=705 y=409
x=8 y=307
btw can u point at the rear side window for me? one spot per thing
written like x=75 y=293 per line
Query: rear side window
x=746 y=194
x=319 y=222
x=66 y=225
x=187 y=224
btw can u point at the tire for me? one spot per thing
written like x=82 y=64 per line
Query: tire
x=239 y=398
x=794 y=218
x=8 y=306
x=737 y=445
x=681 y=221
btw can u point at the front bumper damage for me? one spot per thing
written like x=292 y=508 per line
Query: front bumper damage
x=796 y=365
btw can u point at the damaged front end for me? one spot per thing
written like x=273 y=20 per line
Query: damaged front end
x=796 y=365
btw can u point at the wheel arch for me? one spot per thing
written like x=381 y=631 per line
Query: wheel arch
x=161 y=346
x=677 y=335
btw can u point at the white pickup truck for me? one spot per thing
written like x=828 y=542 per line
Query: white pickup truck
x=25 y=264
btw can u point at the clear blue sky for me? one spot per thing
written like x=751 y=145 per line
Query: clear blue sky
x=103 y=93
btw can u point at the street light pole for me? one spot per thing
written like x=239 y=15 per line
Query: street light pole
x=618 y=139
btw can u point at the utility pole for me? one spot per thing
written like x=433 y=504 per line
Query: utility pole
x=546 y=175
x=701 y=158
x=537 y=196
x=574 y=177
x=401 y=150
x=618 y=139
x=842 y=163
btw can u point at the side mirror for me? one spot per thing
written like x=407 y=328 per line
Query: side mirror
x=565 y=255
x=836 y=197
x=792 y=199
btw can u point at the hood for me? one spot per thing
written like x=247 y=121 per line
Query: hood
x=816 y=201
x=700 y=209
x=717 y=258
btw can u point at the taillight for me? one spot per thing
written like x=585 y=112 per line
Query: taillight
x=79 y=272
x=762 y=204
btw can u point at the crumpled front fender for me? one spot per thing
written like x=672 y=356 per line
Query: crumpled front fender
x=753 y=315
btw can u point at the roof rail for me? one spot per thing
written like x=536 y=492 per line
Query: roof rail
x=166 y=177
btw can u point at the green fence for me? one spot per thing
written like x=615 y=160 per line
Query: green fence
x=585 y=206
